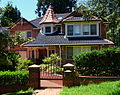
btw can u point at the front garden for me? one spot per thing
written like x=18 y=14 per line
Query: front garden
x=106 y=88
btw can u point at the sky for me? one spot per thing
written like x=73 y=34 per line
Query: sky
x=26 y=7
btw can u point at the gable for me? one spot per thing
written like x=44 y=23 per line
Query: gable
x=22 y=25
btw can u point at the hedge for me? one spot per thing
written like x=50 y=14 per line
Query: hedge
x=17 y=77
x=99 y=62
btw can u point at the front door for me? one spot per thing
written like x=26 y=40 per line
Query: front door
x=42 y=53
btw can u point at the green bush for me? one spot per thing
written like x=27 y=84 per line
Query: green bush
x=99 y=62
x=18 y=77
x=8 y=60
x=51 y=68
x=23 y=64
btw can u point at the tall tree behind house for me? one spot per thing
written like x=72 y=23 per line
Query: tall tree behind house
x=60 y=6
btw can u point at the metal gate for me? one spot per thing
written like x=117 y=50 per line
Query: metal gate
x=51 y=75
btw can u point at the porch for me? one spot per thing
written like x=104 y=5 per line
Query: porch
x=66 y=52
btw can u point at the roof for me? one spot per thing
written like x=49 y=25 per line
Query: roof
x=49 y=16
x=43 y=40
x=22 y=20
x=36 y=21
x=3 y=28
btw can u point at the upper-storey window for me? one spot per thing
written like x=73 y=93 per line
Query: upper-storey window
x=48 y=29
x=84 y=29
x=29 y=34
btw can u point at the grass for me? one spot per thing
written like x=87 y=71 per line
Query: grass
x=106 y=88
x=27 y=92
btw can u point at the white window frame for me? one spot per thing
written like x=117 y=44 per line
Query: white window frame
x=81 y=47
x=81 y=24
x=48 y=25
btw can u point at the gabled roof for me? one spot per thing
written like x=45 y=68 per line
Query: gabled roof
x=43 y=40
x=22 y=20
x=49 y=16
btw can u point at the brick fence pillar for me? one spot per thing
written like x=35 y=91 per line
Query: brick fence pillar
x=69 y=75
x=34 y=76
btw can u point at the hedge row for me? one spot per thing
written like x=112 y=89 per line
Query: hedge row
x=99 y=62
x=17 y=77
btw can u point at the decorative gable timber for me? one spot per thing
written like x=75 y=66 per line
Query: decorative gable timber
x=22 y=25
x=49 y=16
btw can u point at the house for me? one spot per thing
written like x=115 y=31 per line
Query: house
x=66 y=34
x=27 y=29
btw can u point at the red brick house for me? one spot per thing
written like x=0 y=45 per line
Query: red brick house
x=66 y=34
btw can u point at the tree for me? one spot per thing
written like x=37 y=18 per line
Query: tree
x=60 y=6
x=109 y=10
x=10 y=15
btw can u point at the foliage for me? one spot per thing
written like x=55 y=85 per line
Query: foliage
x=106 y=88
x=23 y=64
x=8 y=60
x=99 y=62
x=108 y=10
x=27 y=92
x=17 y=77
x=53 y=59
x=51 y=68
x=60 y=6
x=9 y=15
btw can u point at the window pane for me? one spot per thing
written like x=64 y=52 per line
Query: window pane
x=32 y=54
x=70 y=29
x=85 y=29
x=69 y=52
x=77 y=30
x=28 y=34
x=93 y=29
x=85 y=48
x=76 y=50
x=48 y=29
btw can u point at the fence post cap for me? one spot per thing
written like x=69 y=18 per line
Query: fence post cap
x=34 y=66
x=68 y=65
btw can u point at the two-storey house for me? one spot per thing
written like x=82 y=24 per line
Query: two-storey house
x=66 y=34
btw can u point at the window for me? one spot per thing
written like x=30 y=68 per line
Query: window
x=28 y=34
x=48 y=29
x=69 y=52
x=72 y=51
x=77 y=30
x=85 y=29
x=70 y=29
x=93 y=29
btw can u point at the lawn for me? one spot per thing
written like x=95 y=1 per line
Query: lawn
x=106 y=88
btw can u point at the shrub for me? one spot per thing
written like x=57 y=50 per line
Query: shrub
x=51 y=68
x=99 y=62
x=23 y=64
x=18 y=77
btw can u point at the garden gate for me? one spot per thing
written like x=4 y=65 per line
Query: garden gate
x=51 y=75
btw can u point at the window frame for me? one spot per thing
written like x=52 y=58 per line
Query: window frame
x=81 y=30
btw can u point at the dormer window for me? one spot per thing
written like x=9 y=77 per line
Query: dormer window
x=48 y=29
x=82 y=29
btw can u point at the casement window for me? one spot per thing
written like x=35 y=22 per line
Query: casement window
x=29 y=34
x=83 y=29
x=70 y=29
x=86 y=29
x=48 y=29
x=72 y=51
x=93 y=29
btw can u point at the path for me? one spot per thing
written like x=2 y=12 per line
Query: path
x=48 y=91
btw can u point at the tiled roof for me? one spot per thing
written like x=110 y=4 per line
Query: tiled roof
x=3 y=28
x=49 y=16
x=59 y=17
x=62 y=40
